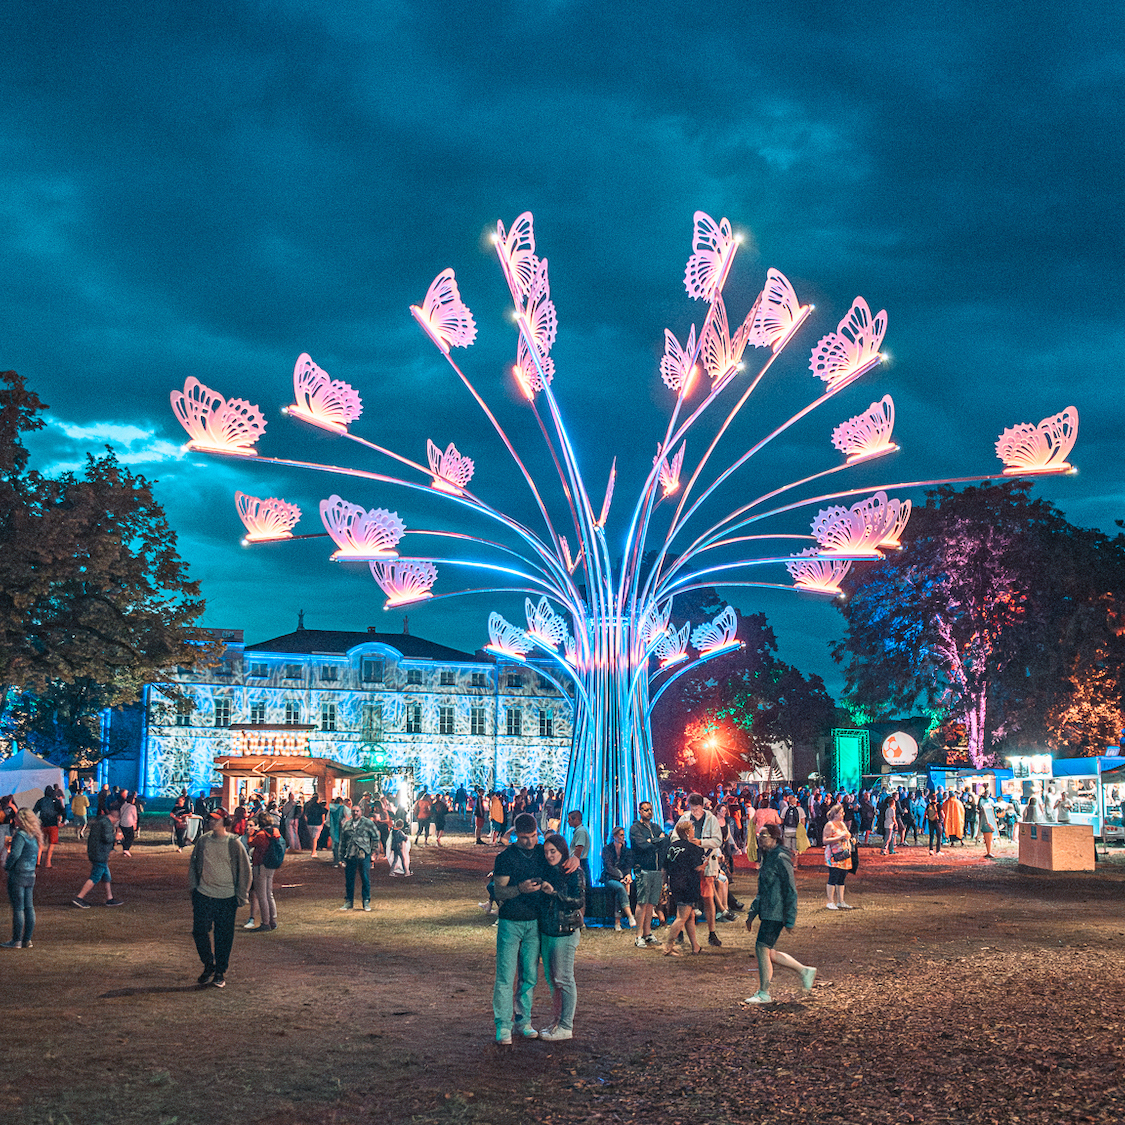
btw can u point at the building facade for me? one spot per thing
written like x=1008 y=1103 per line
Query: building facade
x=361 y=699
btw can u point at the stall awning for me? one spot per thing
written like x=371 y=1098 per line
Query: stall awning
x=282 y=765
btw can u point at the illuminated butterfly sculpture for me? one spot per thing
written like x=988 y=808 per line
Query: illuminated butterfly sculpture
x=599 y=617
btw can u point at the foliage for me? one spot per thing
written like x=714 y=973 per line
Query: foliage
x=995 y=612
x=94 y=599
x=726 y=717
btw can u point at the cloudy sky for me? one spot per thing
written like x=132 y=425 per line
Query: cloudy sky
x=211 y=189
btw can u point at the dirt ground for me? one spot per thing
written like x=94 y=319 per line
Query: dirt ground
x=960 y=990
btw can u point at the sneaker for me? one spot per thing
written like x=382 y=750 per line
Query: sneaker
x=81 y=903
x=844 y=906
x=556 y=1034
x=713 y=939
x=367 y=907
x=526 y=1030
x=640 y=943
x=832 y=906
x=249 y=925
x=651 y=940
x=758 y=998
x=205 y=976
x=27 y=945
x=735 y=904
x=617 y=925
x=503 y=1038
x=220 y=981
x=115 y=902
x=807 y=978
x=11 y=945
x=347 y=906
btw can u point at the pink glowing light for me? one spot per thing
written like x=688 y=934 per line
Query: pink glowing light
x=713 y=245
x=451 y=471
x=843 y=356
x=722 y=353
x=718 y=634
x=266 y=520
x=778 y=314
x=671 y=646
x=1039 y=449
x=608 y=494
x=858 y=530
x=676 y=368
x=214 y=424
x=544 y=623
x=898 y=515
x=404 y=580
x=571 y=564
x=444 y=317
x=507 y=639
x=818 y=575
x=359 y=534
x=322 y=401
x=868 y=434
x=670 y=470
x=516 y=251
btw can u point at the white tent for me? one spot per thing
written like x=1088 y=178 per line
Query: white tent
x=27 y=775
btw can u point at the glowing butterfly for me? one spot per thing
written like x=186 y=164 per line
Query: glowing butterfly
x=670 y=470
x=1039 y=449
x=721 y=354
x=360 y=534
x=544 y=623
x=321 y=400
x=214 y=424
x=266 y=519
x=868 y=434
x=543 y=323
x=857 y=530
x=516 y=251
x=655 y=623
x=507 y=639
x=450 y=470
x=570 y=650
x=677 y=368
x=843 y=356
x=819 y=575
x=898 y=514
x=444 y=317
x=608 y=494
x=716 y=634
x=404 y=580
x=778 y=314
x=527 y=373
x=713 y=247
x=671 y=647
x=571 y=564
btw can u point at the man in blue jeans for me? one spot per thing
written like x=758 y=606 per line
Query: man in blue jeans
x=519 y=871
x=358 y=839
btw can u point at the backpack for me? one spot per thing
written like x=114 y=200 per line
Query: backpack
x=792 y=817
x=275 y=854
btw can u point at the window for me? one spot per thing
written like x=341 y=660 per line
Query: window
x=543 y=683
x=330 y=673
x=291 y=671
x=546 y=724
x=257 y=714
x=515 y=680
x=259 y=671
x=292 y=713
x=480 y=679
x=414 y=718
x=373 y=722
x=515 y=720
x=222 y=712
x=372 y=671
x=445 y=720
x=414 y=676
x=328 y=716
x=184 y=709
x=476 y=721
x=446 y=678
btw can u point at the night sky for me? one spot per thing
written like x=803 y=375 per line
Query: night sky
x=211 y=189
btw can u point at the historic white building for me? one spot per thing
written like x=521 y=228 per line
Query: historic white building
x=362 y=700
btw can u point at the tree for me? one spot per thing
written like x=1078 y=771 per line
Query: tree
x=996 y=613
x=727 y=717
x=94 y=599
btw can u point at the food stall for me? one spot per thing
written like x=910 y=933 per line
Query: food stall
x=1096 y=788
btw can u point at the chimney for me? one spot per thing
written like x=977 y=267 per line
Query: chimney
x=405 y=625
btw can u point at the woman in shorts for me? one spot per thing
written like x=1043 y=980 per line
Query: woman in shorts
x=776 y=906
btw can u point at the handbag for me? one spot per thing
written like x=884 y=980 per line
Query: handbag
x=840 y=852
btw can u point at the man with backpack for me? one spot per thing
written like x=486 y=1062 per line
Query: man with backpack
x=791 y=819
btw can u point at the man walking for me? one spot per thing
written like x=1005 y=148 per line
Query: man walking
x=648 y=842
x=709 y=837
x=791 y=819
x=358 y=839
x=49 y=809
x=219 y=878
x=99 y=845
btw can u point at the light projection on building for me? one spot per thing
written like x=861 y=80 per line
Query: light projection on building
x=666 y=538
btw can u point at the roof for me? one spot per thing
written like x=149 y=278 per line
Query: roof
x=1086 y=767
x=333 y=642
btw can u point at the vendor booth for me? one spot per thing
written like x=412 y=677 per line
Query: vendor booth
x=273 y=775
x=1096 y=789
x=977 y=781
x=26 y=776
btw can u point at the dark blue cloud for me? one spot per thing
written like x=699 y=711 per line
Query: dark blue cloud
x=213 y=188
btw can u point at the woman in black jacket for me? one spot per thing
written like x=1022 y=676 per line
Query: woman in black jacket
x=560 y=918
x=617 y=874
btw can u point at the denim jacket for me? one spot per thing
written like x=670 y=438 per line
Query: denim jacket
x=21 y=860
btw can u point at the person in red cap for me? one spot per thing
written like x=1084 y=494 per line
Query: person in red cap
x=219 y=877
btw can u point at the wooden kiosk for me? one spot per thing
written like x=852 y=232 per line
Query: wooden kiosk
x=1056 y=847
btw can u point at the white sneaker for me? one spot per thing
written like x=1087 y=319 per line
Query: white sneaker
x=250 y=925
x=807 y=978
x=640 y=943
x=758 y=998
x=845 y=906
x=832 y=906
x=555 y=1034
x=526 y=1030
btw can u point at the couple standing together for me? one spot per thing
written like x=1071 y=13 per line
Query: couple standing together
x=542 y=893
